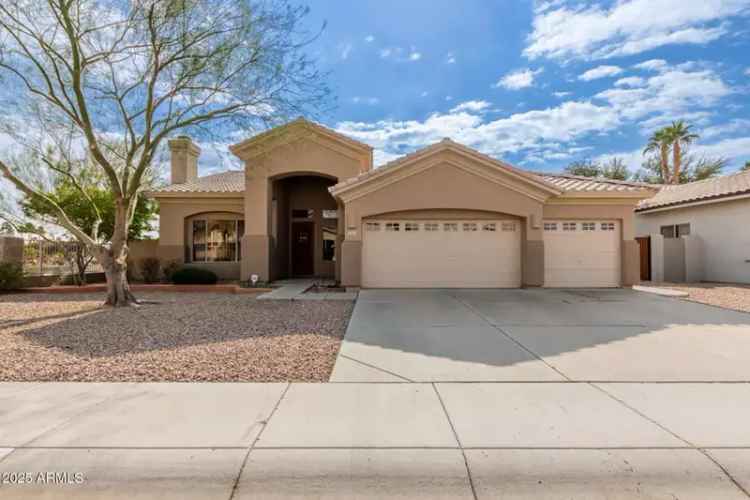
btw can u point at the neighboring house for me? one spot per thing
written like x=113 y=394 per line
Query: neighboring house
x=309 y=203
x=715 y=215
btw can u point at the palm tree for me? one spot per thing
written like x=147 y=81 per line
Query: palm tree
x=661 y=142
x=679 y=135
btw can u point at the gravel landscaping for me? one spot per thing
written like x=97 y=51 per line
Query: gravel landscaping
x=725 y=295
x=182 y=337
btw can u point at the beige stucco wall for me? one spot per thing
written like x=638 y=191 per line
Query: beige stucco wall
x=440 y=188
x=307 y=155
x=724 y=229
x=174 y=215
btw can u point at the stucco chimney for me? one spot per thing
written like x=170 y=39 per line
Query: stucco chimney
x=184 y=159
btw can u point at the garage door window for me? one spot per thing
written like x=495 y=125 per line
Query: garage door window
x=470 y=226
x=392 y=226
x=550 y=226
x=431 y=226
x=608 y=226
x=411 y=226
x=589 y=226
x=489 y=227
x=569 y=226
x=372 y=226
x=450 y=227
x=509 y=226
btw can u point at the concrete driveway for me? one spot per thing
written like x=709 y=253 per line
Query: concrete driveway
x=540 y=335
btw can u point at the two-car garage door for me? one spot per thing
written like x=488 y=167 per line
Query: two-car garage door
x=441 y=254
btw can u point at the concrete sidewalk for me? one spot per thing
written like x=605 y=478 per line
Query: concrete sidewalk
x=376 y=440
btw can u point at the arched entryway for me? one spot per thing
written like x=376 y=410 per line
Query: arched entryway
x=304 y=227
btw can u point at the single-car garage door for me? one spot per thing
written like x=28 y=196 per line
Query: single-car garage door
x=441 y=254
x=581 y=253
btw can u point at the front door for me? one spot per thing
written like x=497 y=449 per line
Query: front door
x=303 y=248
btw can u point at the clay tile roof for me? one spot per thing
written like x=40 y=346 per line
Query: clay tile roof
x=231 y=181
x=579 y=183
x=709 y=189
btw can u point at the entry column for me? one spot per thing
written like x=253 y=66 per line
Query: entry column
x=257 y=242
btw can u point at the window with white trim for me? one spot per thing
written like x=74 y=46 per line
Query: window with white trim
x=588 y=226
x=450 y=227
x=372 y=226
x=570 y=226
x=608 y=226
x=550 y=226
x=392 y=226
x=489 y=226
x=509 y=226
x=431 y=226
x=469 y=226
x=411 y=226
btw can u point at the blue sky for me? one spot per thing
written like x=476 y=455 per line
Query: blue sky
x=540 y=83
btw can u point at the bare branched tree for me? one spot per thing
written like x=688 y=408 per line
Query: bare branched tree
x=82 y=75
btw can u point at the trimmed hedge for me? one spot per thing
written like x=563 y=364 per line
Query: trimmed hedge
x=194 y=276
x=11 y=276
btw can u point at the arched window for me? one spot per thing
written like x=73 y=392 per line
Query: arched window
x=214 y=238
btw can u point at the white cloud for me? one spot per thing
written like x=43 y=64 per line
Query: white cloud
x=670 y=94
x=475 y=106
x=630 y=81
x=600 y=72
x=369 y=39
x=652 y=65
x=450 y=58
x=732 y=149
x=531 y=130
x=735 y=149
x=674 y=93
x=345 y=50
x=747 y=71
x=518 y=79
x=370 y=101
x=730 y=127
x=398 y=54
x=628 y=27
x=424 y=94
x=449 y=98
x=561 y=94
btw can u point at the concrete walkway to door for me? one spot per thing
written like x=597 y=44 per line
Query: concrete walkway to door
x=540 y=335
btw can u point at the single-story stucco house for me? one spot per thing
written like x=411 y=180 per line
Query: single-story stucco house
x=310 y=203
x=702 y=228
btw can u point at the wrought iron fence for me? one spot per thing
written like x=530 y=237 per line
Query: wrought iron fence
x=56 y=258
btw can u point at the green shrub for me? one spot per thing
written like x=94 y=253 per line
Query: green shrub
x=194 y=276
x=11 y=276
x=150 y=267
x=170 y=268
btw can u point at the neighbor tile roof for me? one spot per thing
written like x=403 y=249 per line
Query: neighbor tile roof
x=231 y=181
x=579 y=183
x=709 y=189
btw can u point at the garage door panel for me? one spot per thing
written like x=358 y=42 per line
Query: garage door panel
x=582 y=253
x=441 y=258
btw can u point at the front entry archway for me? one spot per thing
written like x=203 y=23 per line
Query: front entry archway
x=304 y=227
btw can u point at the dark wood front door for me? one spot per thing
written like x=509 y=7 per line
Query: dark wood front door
x=644 y=245
x=303 y=248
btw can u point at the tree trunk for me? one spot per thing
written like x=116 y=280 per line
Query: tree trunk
x=118 y=288
x=677 y=159
x=114 y=260
x=665 y=165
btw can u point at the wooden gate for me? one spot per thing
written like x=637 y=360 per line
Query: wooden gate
x=644 y=244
